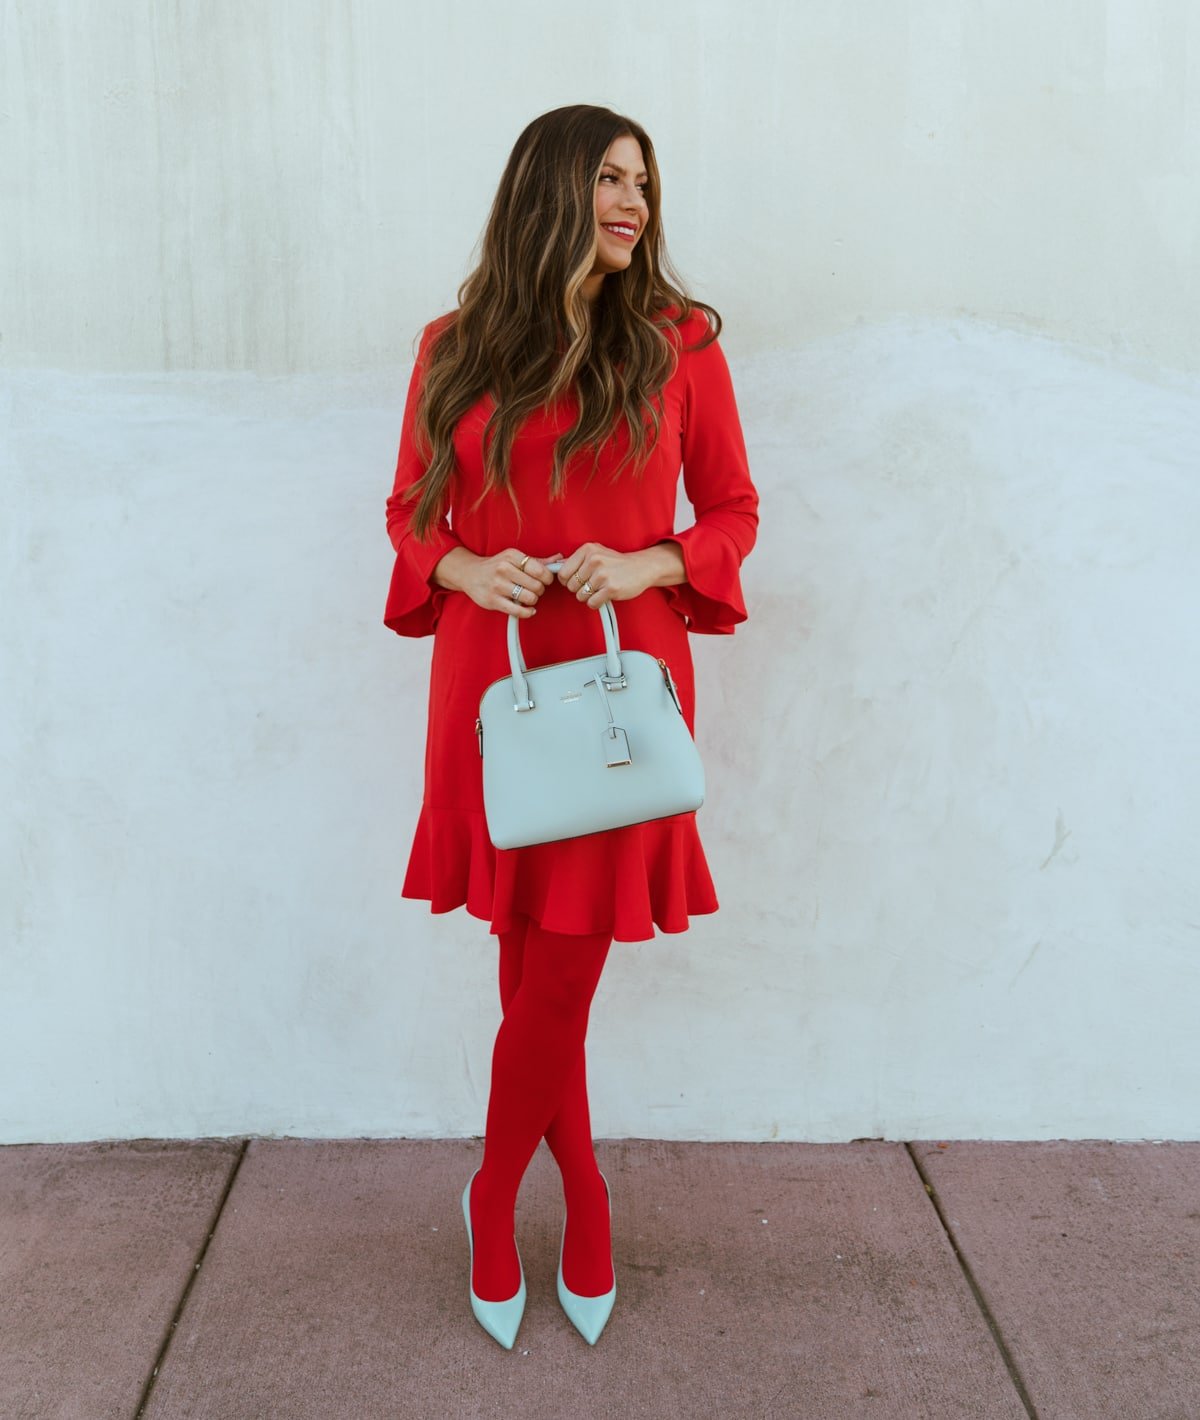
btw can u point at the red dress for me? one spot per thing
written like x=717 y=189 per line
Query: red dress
x=622 y=881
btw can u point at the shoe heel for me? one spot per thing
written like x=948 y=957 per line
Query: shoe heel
x=588 y=1315
x=499 y=1319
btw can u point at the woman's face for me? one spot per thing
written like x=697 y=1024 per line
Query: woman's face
x=621 y=203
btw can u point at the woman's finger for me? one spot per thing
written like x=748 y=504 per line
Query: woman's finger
x=531 y=587
x=587 y=590
x=510 y=570
x=537 y=567
x=525 y=606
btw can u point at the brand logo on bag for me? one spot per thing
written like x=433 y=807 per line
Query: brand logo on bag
x=572 y=695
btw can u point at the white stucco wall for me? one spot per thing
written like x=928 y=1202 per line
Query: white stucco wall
x=953 y=776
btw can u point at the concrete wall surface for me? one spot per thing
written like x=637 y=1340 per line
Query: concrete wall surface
x=953 y=779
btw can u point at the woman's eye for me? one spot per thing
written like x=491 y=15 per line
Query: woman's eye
x=641 y=186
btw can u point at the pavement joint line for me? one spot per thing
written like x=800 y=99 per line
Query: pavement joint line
x=1006 y=1356
x=210 y=1232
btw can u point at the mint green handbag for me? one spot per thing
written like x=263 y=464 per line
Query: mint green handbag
x=578 y=747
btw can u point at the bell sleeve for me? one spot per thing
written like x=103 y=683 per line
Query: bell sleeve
x=414 y=601
x=716 y=478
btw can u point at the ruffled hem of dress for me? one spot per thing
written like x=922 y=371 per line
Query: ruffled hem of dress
x=624 y=882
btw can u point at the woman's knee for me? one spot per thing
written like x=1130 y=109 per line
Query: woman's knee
x=564 y=968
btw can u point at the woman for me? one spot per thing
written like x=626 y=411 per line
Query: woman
x=587 y=377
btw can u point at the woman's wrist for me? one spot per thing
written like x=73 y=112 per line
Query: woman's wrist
x=664 y=564
x=448 y=570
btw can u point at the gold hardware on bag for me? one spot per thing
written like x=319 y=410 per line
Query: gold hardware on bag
x=616 y=747
x=666 y=670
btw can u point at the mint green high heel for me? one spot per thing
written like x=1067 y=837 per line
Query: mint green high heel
x=499 y=1319
x=588 y=1315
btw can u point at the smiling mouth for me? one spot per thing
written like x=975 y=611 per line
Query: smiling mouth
x=622 y=233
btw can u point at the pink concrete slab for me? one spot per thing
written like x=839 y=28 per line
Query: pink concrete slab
x=752 y=1280
x=97 y=1244
x=1088 y=1256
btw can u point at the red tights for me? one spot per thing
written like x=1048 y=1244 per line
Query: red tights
x=539 y=1087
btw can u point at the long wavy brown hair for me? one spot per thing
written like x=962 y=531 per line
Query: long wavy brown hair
x=525 y=331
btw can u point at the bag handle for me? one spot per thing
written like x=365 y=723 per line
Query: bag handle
x=612 y=656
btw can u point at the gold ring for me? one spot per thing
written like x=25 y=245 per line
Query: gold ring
x=521 y=564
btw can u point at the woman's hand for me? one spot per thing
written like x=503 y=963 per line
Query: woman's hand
x=595 y=574
x=489 y=581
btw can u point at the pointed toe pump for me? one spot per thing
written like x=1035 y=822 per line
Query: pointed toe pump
x=588 y=1315
x=499 y=1319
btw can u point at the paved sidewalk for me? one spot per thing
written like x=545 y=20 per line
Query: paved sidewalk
x=282 y=1279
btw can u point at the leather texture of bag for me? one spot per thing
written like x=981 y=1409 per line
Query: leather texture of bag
x=577 y=747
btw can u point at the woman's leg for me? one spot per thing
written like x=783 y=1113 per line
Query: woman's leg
x=587 y=1246
x=536 y=1050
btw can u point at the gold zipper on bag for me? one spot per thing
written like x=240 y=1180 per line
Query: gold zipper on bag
x=667 y=680
x=548 y=665
x=545 y=666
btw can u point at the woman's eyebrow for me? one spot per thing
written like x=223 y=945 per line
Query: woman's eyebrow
x=621 y=170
